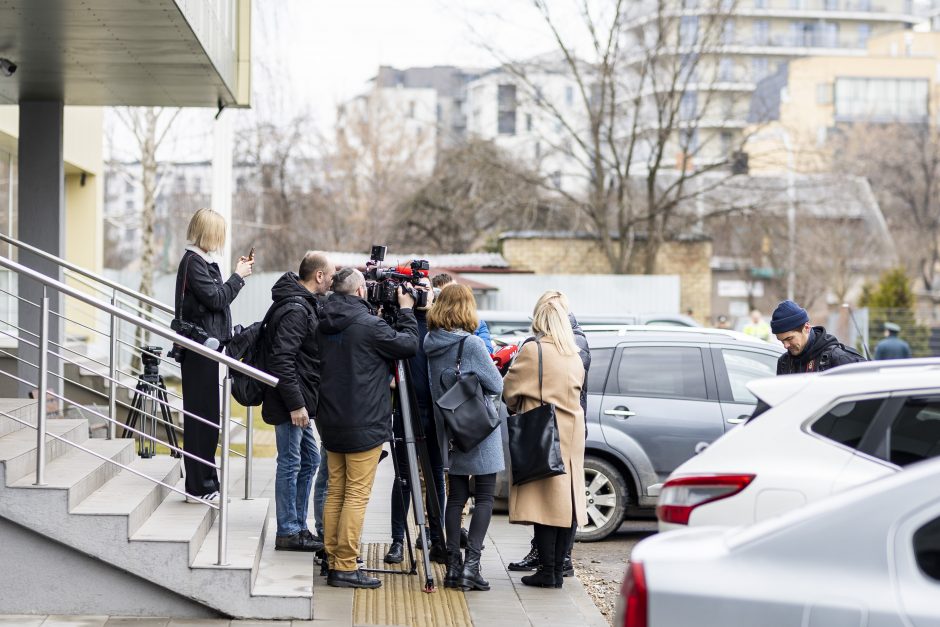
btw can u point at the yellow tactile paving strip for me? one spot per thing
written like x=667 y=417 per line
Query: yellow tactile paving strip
x=402 y=601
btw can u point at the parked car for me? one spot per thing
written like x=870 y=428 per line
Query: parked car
x=515 y=323
x=810 y=436
x=656 y=396
x=869 y=556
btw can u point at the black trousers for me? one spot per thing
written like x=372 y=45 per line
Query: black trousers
x=200 y=397
x=553 y=544
x=457 y=496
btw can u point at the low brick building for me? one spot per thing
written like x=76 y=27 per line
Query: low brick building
x=566 y=252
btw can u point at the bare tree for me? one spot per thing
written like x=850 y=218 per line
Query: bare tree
x=475 y=191
x=902 y=162
x=640 y=137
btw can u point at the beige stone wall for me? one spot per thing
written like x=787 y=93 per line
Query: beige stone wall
x=689 y=260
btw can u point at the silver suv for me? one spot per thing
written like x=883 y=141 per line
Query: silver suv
x=656 y=397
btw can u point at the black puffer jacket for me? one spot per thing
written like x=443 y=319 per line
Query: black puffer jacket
x=822 y=352
x=418 y=367
x=206 y=299
x=291 y=355
x=354 y=411
x=584 y=352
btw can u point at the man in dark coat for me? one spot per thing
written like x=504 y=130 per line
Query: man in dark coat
x=892 y=347
x=809 y=348
x=354 y=411
x=290 y=354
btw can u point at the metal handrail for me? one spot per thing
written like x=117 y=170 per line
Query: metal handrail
x=86 y=273
x=117 y=313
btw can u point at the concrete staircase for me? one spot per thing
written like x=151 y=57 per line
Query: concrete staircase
x=136 y=532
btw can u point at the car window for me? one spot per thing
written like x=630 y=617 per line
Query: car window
x=745 y=366
x=847 y=422
x=600 y=364
x=915 y=434
x=927 y=549
x=666 y=323
x=661 y=371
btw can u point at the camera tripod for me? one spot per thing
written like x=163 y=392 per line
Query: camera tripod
x=150 y=392
x=416 y=447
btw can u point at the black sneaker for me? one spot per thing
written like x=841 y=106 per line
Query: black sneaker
x=351 y=579
x=438 y=553
x=396 y=553
x=418 y=545
x=568 y=568
x=296 y=542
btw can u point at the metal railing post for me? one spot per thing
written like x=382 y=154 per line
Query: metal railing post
x=112 y=372
x=249 y=449
x=43 y=361
x=224 y=468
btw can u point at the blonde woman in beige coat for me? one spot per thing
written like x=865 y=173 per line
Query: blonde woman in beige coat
x=556 y=506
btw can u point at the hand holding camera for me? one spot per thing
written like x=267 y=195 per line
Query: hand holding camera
x=406 y=299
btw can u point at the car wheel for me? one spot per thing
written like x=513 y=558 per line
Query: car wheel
x=606 y=495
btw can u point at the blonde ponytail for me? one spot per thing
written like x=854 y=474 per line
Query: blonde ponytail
x=550 y=319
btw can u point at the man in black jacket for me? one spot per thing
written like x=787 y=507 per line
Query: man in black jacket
x=354 y=412
x=291 y=355
x=809 y=348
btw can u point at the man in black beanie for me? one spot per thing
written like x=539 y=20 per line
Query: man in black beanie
x=809 y=348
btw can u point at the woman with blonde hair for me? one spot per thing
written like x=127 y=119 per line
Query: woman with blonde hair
x=555 y=505
x=451 y=325
x=203 y=299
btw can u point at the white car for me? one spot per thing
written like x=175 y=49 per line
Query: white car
x=869 y=557
x=810 y=436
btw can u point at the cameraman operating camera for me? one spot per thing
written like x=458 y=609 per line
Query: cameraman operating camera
x=202 y=305
x=354 y=411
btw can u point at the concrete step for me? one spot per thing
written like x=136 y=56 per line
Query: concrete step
x=175 y=520
x=283 y=573
x=131 y=495
x=21 y=408
x=81 y=472
x=247 y=521
x=18 y=449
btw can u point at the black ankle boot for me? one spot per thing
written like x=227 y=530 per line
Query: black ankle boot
x=470 y=578
x=529 y=562
x=454 y=569
x=542 y=578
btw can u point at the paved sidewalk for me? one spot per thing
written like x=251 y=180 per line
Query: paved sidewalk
x=508 y=603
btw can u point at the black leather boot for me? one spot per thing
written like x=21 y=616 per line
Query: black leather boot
x=438 y=553
x=470 y=578
x=454 y=569
x=529 y=562
x=541 y=578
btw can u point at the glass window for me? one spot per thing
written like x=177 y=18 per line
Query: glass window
x=661 y=371
x=600 y=364
x=881 y=99
x=927 y=549
x=688 y=30
x=847 y=422
x=688 y=105
x=725 y=69
x=745 y=366
x=864 y=32
x=528 y=121
x=761 y=32
x=569 y=95
x=760 y=67
x=506 y=101
x=915 y=434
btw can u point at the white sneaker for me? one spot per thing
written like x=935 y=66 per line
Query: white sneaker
x=211 y=498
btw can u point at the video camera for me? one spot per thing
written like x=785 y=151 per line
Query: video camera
x=150 y=357
x=382 y=283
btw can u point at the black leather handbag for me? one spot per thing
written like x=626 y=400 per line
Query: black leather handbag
x=534 y=448
x=468 y=416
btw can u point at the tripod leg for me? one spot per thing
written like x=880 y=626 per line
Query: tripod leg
x=167 y=418
x=132 y=414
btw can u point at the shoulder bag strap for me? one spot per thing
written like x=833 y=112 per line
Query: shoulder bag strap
x=460 y=353
x=179 y=303
x=539 y=344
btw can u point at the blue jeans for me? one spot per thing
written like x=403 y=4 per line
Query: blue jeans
x=297 y=460
x=319 y=493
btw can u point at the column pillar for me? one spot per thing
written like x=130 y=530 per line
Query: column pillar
x=41 y=223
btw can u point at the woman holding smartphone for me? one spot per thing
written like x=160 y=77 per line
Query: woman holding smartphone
x=203 y=299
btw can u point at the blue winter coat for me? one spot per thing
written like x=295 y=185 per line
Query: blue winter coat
x=441 y=348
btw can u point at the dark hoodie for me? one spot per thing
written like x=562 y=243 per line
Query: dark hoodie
x=291 y=351
x=822 y=352
x=356 y=348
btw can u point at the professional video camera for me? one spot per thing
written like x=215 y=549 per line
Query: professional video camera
x=382 y=283
x=150 y=357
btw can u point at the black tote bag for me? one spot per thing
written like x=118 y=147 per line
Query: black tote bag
x=534 y=448
x=468 y=417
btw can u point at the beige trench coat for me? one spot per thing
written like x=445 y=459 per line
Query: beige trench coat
x=548 y=501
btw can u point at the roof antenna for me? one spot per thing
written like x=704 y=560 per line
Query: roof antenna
x=858 y=330
x=221 y=106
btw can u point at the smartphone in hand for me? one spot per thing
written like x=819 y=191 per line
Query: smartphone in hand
x=251 y=254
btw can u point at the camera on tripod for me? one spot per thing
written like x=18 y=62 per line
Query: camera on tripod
x=382 y=283
x=150 y=357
